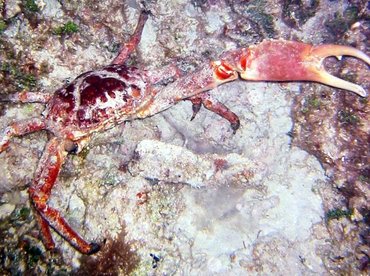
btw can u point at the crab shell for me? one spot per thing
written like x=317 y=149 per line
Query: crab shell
x=98 y=100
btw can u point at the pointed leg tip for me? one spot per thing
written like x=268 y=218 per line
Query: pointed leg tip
x=49 y=245
x=192 y=117
x=4 y=147
x=146 y=12
x=196 y=107
x=362 y=93
x=94 y=248
x=235 y=126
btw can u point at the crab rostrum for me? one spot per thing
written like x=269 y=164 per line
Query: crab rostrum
x=101 y=99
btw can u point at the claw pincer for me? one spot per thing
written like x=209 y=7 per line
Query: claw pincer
x=281 y=60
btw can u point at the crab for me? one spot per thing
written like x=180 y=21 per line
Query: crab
x=101 y=99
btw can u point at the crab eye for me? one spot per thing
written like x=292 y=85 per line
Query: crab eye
x=71 y=147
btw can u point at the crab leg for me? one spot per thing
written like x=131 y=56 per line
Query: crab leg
x=280 y=60
x=166 y=74
x=20 y=128
x=26 y=97
x=131 y=45
x=45 y=178
x=204 y=79
x=215 y=106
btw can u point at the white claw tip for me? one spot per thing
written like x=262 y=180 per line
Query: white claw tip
x=362 y=92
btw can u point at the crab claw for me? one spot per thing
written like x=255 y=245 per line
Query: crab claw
x=280 y=60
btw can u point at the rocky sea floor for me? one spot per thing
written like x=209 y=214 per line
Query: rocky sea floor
x=288 y=194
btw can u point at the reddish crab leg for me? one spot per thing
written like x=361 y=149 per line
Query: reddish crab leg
x=280 y=60
x=20 y=128
x=45 y=178
x=26 y=97
x=215 y=106
x=130 y=46
x=207 y=78
x=166 y=74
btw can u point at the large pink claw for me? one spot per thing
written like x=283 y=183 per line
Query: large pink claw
x=281 y=60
